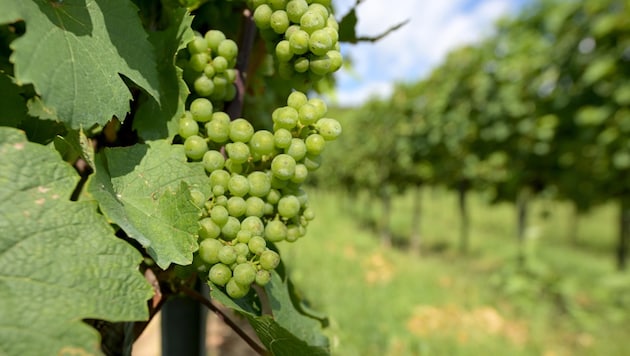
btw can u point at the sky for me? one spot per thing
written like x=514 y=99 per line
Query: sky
x=409 y=53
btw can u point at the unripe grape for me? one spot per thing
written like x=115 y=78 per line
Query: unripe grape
x=220 y=274
x=279 y=21
x=315 y=144
x=336 y=60
x=301 y=65
x=195 y=147
x=218 y=131
x=198 y=61
x=308 y=114
x=254 y=225
x=237 y=151
x=297 y=149
x=269 y=260
x=209 y=72
x=262 y=143
x=320 y=42
x=187 y=126
x=220 y=65
x=290 y=31
x=277 y=4
x=214 y=38
x=282 y=138
x=275 y=231
x=230 y=75
x=283 y=166
x=230 y=229
x=208 y=229
x=296 y=99
x=320 y=65
x=197 y=197
x=312 y=20
x=259 y=184
x=262 y=16
x=308 y=214
x=288 y=206
x=283 y=51
x=219 y=178
x=238 y=185
x=269 y=209
x=263 y=277
x=274 y=196
x=243 y=237
x=312 y=162
x=227 y=255
x=228 y=49
x=293 y=233
x=241 y=130
x=300 y=175
x=219 y=215
x=295 y=9
x=328 y=128
x=203 y=85
x=320 y=104
x=197 y=45
x=257 y=245
x=236 y=206
x=220 y=200
x=209 y=250
x=299 y=42
x=255 y=207
x=236 y=290
x=285 y=117
x=213 y=160
x=245 y=274
x=201 y=109
x=230 y=92
x=222 y=117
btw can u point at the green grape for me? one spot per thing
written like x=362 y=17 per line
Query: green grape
x=336 y=60
x=295 y=9
x=220 y=64
x=220 y=200
x=218 y=131
x=197 y=197
x=236 y=206
x=257 y=245
x=277 y=4
x=262 y=143
x=290 y=31
x=262 y=16
x=315 y=144
x=300 y=175
x=227 y=254
x=218 y=190
x=302 y=197
x=299 y=42
x=322 y=10
x=219 y=178
x=208 y=229
x=269 y=260
x=243 y=237
x=277 y=183
x=269 y=209
x=230 y=229
x=254 y=225
x=241 y=130
x=228 y=49
x=320 y=65
x=197 y=45
x=222 y=117
x=195 y=147
x=312 y=20
x=285 y=117
x=220 y=274
x=209 y=250
x=301 y=65
x=201 y=109
x=203 y=85
x=245 y=274
x=233 y=166
x=235 y=290
x=187 y=126
x=308 y=214
x=214 y=38
x=241 y=248
x=275 y=231
x=255 y=207
x=198 y=61
x=297 y=149
x=274 y=196
x=288 y=206
x=293 y=233
x=296 y=99
x=312 y=162
x=320 y=42
x=237 y=151
x=282 y=138
x=283 y=51
x=283 y=166
x=308 y=114
x=209 y=72
x=230 y=92
x=259 y=184
x=220 y=87
x=238 y=185
x=213 y=160
x=279 y=21
x=263 y=277
x=326 y=3
x=328 y=128
x=219 y=215
x=230 y=75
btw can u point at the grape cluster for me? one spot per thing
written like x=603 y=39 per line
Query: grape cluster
x=209 y=65
x=304 y=35
x=255 y=178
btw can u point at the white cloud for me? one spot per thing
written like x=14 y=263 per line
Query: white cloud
x=410 y=52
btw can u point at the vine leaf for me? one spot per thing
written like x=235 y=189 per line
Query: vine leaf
x=145 y=189
x=73 y=52
x=348 y=31
x=285 y=332
x=60 y=261
x=154 y=120
x=12 y=104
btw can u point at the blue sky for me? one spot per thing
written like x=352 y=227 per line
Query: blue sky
x=408 y=54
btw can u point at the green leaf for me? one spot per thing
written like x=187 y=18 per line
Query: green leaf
x=60 y=261
x=145 y=190
x=287 y=331
x=154 y=120
x=348 y=24
x=73 y=52
x=12 y=104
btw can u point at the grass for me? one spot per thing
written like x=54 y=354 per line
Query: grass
x=387 y=301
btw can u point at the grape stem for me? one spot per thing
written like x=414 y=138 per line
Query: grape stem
x=235 y=107
x=231 y=323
